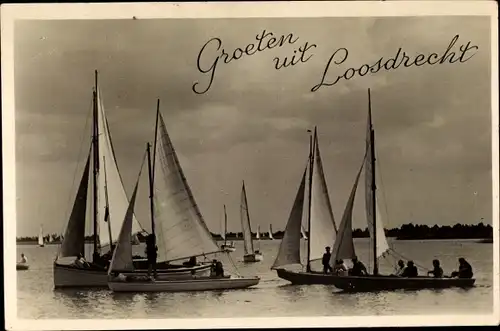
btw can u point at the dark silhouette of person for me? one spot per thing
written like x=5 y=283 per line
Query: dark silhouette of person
x=326 y=260
x=191 y=263
x=219 y=269
x=401 y=268
x=464 y=269
x=358 y=268
x=410 y=270
x=437 y=271
x=151 y=253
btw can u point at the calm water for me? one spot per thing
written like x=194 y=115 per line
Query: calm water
x=273 y=297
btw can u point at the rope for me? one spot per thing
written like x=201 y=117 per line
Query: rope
x=233 y=264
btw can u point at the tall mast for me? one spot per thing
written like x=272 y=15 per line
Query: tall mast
x=156 y=134
x=374 y=186
x=311 y=163
x=225 y=226
x=151 y=191
x=95 y=165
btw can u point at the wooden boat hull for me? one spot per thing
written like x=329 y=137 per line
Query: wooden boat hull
x=194 y=284
x=256 y=257
x=305 y=278
x=387 y=283
x=71 y=276
x=22 y=266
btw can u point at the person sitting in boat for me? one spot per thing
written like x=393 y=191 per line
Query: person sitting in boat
x=24 y=260
x=410 y=270
x=464 y=269
x=81 y=262
x=326 y=260
x=151 y=253
x=219 y=269
x=191 y=263
x=358 y=268
x=401 y=268
x=212 y=268
x=340 y=269
x=437 y=271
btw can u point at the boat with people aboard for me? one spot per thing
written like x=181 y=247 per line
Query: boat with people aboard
x=227 y=246
x=357 y=278
x=23 y=263
x=172 y=206
x=109 y=204
x=250 y=253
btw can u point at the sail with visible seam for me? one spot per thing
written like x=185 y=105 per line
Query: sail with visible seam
x=289 y=250
x=245 y=223
x=179 y=226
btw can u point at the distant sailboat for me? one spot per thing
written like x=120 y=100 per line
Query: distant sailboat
x=271 y=237
x=251 y=255
x=174 y=208
x=303 y=233
x=228 y=247
x=41 y=240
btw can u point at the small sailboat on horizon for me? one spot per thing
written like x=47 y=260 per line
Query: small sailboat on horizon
x=271 y=237
x=41 y=239
x=250 y=254
x=227 y=246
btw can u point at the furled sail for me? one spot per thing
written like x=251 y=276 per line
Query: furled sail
x=344 y=244
x=322 y=228
x=117 y=198
x=245 y=222
x=382 y=245
x=289 y=251
x=122 y=256
x=179 y=226
x=74 y=239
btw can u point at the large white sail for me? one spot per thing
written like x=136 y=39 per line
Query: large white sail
x=322 y=224
x=344 y=244
x=179 y=226
x=122 y=256
x=382 y=245
x=117 y=198
x=245 y=223
x=289 y=251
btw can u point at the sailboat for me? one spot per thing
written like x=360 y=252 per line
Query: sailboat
x=251 y=255
x=172 y=206
x=316 y=207
x=109 y=204
x=41 y=240
x=379 y=247
x=271 y=232
x=228 y=247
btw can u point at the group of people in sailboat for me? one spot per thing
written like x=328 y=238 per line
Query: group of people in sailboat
x=410 y=270
x=340 y=269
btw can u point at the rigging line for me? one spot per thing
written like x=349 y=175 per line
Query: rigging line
x=68 y=203
x=404 y=257
x=384 y=197
x=234 y=264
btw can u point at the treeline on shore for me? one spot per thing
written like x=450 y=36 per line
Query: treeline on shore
x=405 y=232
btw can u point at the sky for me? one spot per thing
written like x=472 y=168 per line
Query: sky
x=433 y=123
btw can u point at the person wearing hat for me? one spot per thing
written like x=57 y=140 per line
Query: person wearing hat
x=326 y=260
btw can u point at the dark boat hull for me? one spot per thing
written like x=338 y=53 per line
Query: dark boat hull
x=388 y=283
x=306 y=278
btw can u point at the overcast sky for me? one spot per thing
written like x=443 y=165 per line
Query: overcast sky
x=432 y=123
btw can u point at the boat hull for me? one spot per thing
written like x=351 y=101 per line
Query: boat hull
x=66 y=276
x=256 y=257
x=305 y=278
x=188 y=285
x=21 y=266
x=388 y=283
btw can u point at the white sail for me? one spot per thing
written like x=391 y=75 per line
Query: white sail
x=224 y=228
x=117 y=198
x=382 y=245
x=322 y=228
x=344 y=244
x=122 y=259
x=245 y=223
x=257 y=235
x=40 y=236
x=289 y=251
x=179 y=226
x=271 y=232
